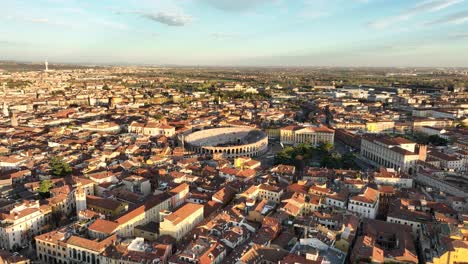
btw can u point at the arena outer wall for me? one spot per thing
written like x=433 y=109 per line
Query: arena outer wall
x=251 y=142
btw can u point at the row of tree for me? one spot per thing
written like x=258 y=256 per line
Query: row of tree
x=323 y=154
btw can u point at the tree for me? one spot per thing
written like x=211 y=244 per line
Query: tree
x=326 y=147
x=332 y=161
x=44 y=188
x=349 y=162
x=285 y=156
x=158 y=116
x=59 y=167
x=437 y=140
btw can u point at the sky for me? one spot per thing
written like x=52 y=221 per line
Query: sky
x=402 y=33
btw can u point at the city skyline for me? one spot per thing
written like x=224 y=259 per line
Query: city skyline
x=238 y=33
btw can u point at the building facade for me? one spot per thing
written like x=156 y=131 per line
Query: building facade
x=151 y=129
x=22 y=223
x=365 y=204
x=292 y=135
x=182 y=221
x=396 y=153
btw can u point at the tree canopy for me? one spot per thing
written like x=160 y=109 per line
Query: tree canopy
x=323 y=154
x=59 y=167
x=44 y=188
x=435 y=140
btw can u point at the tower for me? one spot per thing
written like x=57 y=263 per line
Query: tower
x=5 y=110
x=112 y=103
x=14 y=119
x=80 y=200
x=422 y=151
x=46 y=65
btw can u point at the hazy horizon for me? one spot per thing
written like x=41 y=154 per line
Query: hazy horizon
x=240 y=33
x=116 y=64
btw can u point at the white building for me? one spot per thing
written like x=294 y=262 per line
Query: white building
x=292 y=135
x=449 y=162
x=431 y=131
x=366 y=204
x=151 y=129
x=101 y=126
x=137 y=184
x=182 y=221
x=337 y=199
x=391 y=177
x=397 y=153
x=22 y=223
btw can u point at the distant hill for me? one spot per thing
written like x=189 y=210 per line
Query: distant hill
x=13 y=66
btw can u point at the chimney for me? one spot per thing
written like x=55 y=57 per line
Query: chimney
x=422 y=151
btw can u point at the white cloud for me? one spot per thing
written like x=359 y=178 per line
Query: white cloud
x=170 y=19
x=455 y=18
x=422 y=7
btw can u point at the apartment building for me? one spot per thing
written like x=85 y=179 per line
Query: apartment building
x=365 y=204
x=449 y=162
x=24 y=221
x=388 y=176
x=270 y=192
x=182 y=221
x=300 y=204
x=137 y=184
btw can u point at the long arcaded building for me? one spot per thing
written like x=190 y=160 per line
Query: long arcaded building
x=232 y=142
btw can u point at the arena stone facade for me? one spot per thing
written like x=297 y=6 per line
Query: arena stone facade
x=232 y=142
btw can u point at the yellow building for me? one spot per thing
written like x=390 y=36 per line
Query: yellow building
x=380 y=127
x=108 y=207
x=239 y=162
x=272 y=132
x=246 y=163
x=457 y=252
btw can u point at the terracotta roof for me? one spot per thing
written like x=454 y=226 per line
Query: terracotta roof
x=131 y=215
x=92 y=245
x=104 y=203
x=369 y=196
x=183 y=212
x=103 y=226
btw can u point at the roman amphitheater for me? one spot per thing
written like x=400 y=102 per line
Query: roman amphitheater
x=232 y=142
